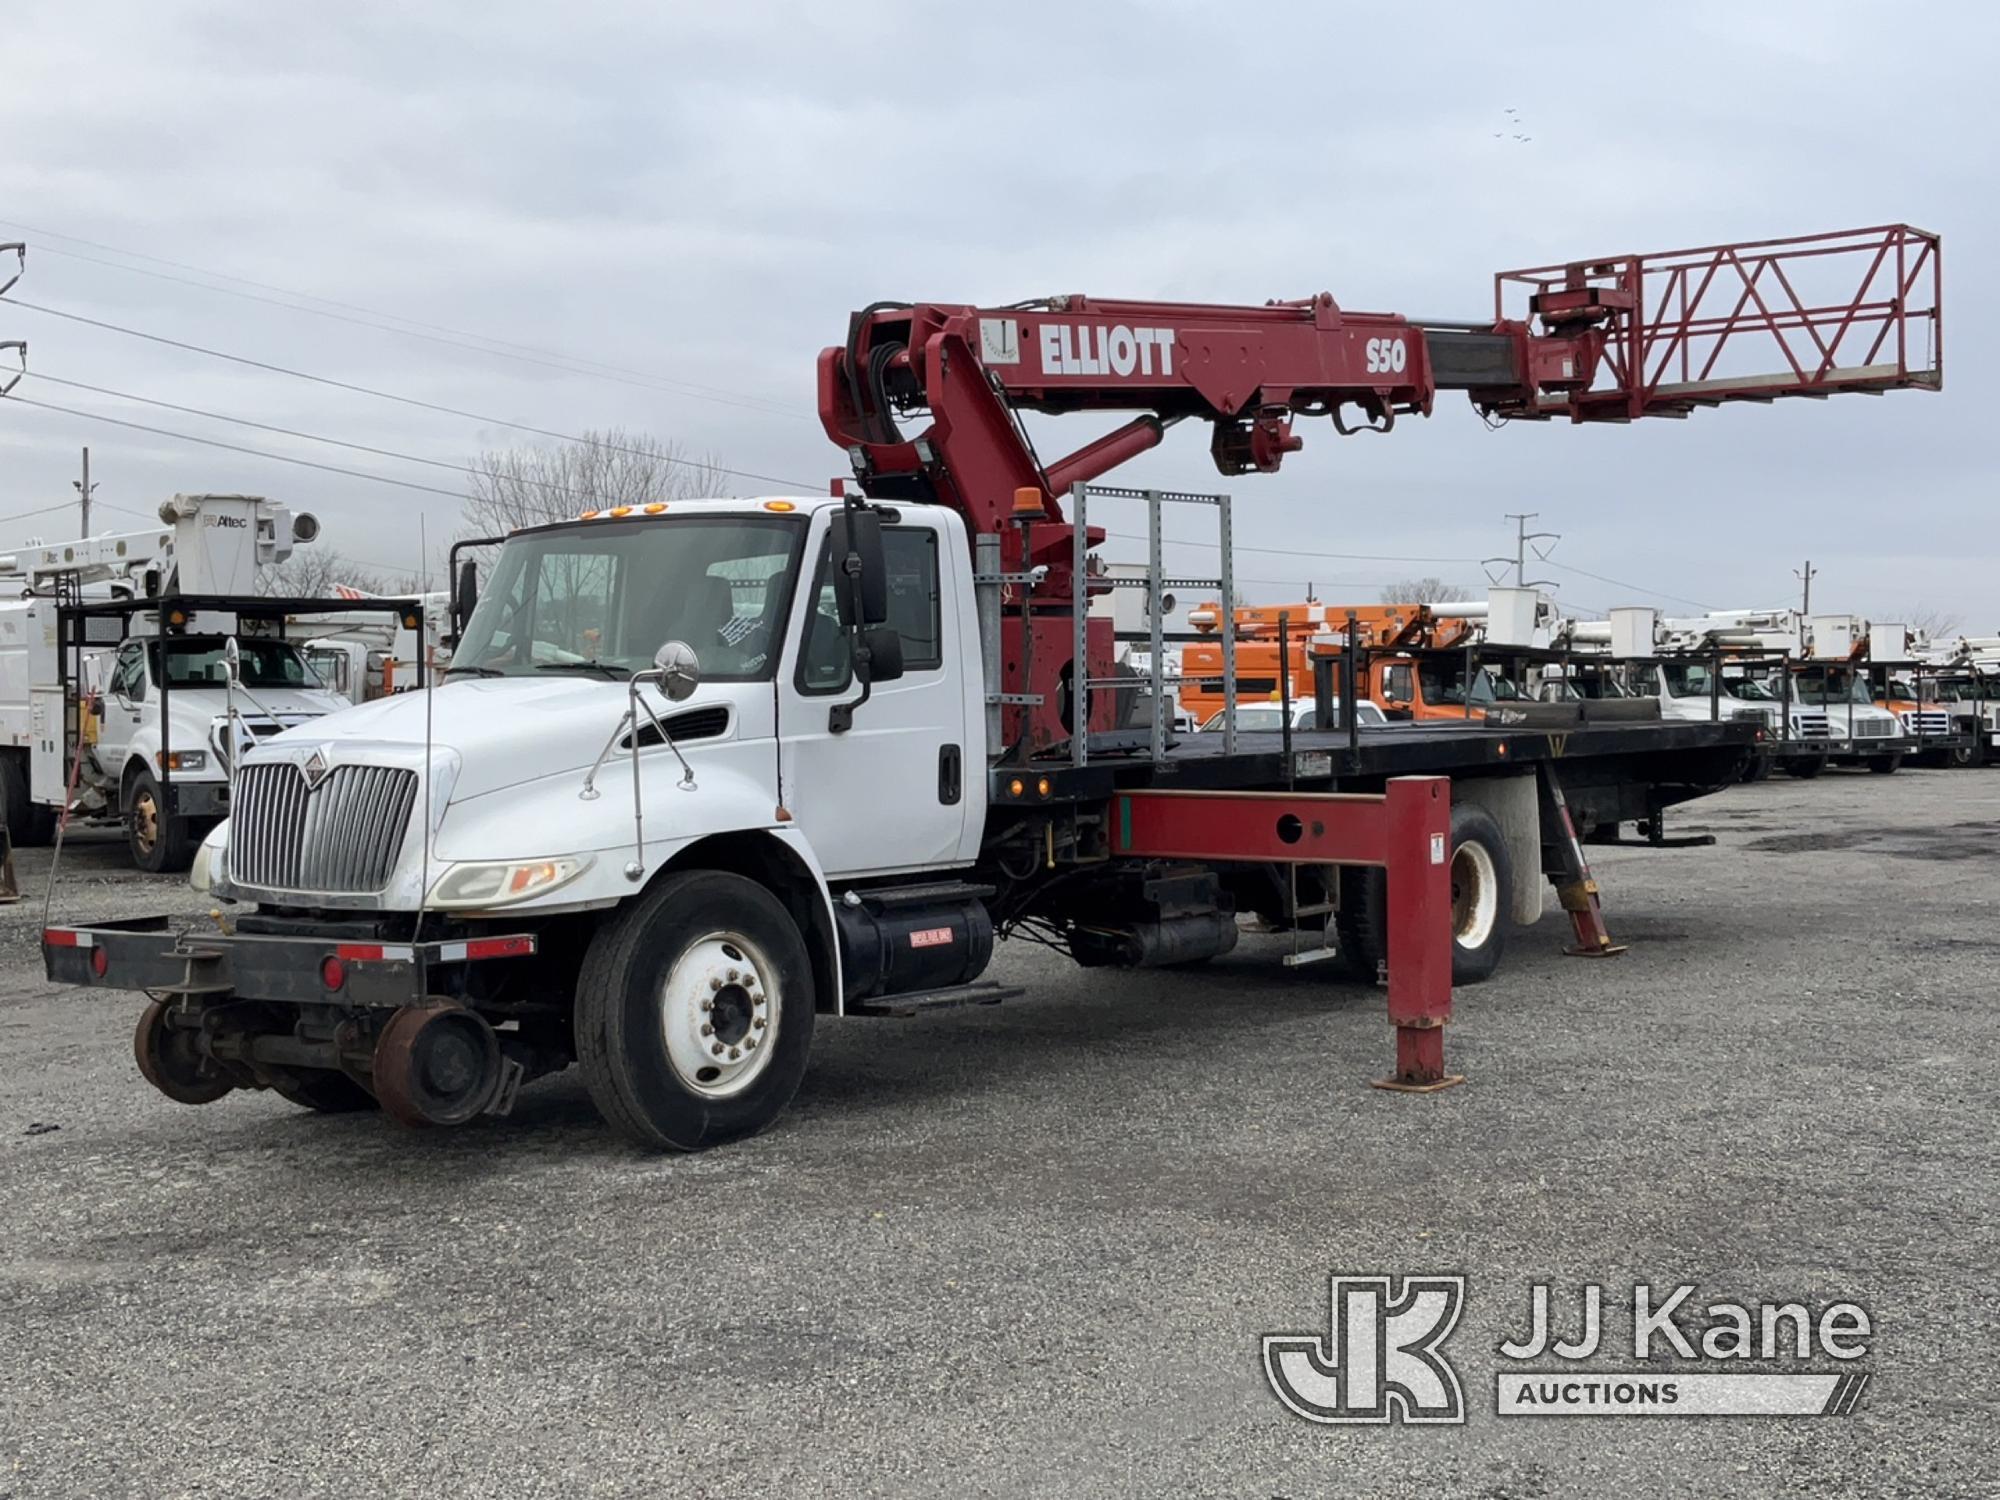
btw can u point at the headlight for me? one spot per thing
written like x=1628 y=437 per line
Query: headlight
x=209 y=858
x=185 y=760
x=499 y=883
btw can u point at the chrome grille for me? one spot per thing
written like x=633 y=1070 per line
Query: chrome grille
x=1874 y=729
x=1813 y=727
x=1928 y=721
x=341 y=838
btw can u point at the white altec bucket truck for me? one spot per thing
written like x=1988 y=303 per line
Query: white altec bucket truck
x=1716 y=667
x=1833 y=677
x=113 y=698
x=704 y=772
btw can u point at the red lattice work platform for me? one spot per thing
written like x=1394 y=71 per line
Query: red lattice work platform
x=1860 y=310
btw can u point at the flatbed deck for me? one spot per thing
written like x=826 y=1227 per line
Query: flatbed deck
x=1615 y=770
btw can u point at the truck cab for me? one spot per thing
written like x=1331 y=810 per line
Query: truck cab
x=142 y=730
x=1861 y=733
x=1438 y=687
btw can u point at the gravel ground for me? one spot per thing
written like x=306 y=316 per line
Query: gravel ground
x=1031 y=1250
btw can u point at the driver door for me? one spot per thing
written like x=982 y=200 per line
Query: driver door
x=889 y=793
x=124 y=706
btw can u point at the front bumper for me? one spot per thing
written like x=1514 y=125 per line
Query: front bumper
x=147 y=953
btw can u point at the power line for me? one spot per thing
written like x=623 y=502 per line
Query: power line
x=430 y=332
x=311 y=437
x=363 y=390
x=1634 y=587
x=22 y=515
x=188 y=437
x=1133 y=536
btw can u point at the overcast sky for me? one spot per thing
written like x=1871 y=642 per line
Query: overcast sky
x=697 y=195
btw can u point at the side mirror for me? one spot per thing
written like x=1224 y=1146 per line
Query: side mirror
x=465 y=595
x=679 y=669
x=885 y=653
x=232 y=659
x=862 y=573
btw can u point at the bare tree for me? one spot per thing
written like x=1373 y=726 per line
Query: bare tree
x=1421 y=591
x=529 y=485
x=1931 y=621
x=317 y=572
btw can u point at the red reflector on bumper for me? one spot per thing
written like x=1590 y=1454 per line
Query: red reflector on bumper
x=65 y=937
x=507 y=947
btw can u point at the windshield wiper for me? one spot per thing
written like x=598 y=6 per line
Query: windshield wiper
x=474 y=672
x=589 y=666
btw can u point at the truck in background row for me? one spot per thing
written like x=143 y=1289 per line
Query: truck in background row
x=114 y=694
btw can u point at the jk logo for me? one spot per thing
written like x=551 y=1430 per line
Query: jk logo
x=1379 y=1361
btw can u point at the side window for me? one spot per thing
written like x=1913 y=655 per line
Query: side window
x=130 y=679
x=1646 y=682
x=915 y=612
x=1396 y=683
x=824 y=666
x=913 y=596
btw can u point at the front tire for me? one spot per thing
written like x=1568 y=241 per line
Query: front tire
x=159 y=842
x=1886 y=765
x=694 y=1013
x=1806 y=769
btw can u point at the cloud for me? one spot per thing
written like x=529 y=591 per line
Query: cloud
x=705 y=192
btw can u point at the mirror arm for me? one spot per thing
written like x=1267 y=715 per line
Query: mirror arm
x=840 y=718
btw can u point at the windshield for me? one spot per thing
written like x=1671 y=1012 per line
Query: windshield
x=1256 y=716
x=195 y=661
x=1748 y=690
x=1444 y=683
x=603 y=597
x=1813 y=687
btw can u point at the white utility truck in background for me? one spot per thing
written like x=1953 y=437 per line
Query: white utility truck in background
x=1703 y=668
x=363 y=660
x=113 y=693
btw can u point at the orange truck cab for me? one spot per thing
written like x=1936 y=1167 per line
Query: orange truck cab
x=1437 y=685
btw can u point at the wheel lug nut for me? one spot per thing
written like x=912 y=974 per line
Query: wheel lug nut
x=758 y=1023
x=708 y=1005
x=749 y=1044
x=706 y=1029
x=714 y=983
x=716 y=1049
x=734 y=1053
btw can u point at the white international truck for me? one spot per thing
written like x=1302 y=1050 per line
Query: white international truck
x=114 y=698
x=703 y=771
x=670 y=799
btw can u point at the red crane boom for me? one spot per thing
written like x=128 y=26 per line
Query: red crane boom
x=1600 y=340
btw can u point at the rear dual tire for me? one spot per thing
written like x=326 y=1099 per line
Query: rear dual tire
x=1482 y=878
x=694 y=1013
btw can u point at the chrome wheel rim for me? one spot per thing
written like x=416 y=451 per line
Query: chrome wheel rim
x=1475 y=894
x=719 y=1014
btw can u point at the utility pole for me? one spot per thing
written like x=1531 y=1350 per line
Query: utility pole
x=83 y=488
x=1523 y=539
x=1805 y=577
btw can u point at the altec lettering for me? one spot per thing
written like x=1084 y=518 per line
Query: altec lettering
x=1105 y=349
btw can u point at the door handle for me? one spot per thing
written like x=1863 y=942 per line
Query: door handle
x=951 y=775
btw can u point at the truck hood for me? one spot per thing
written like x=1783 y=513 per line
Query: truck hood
x=255 y=703
x=506 y=730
